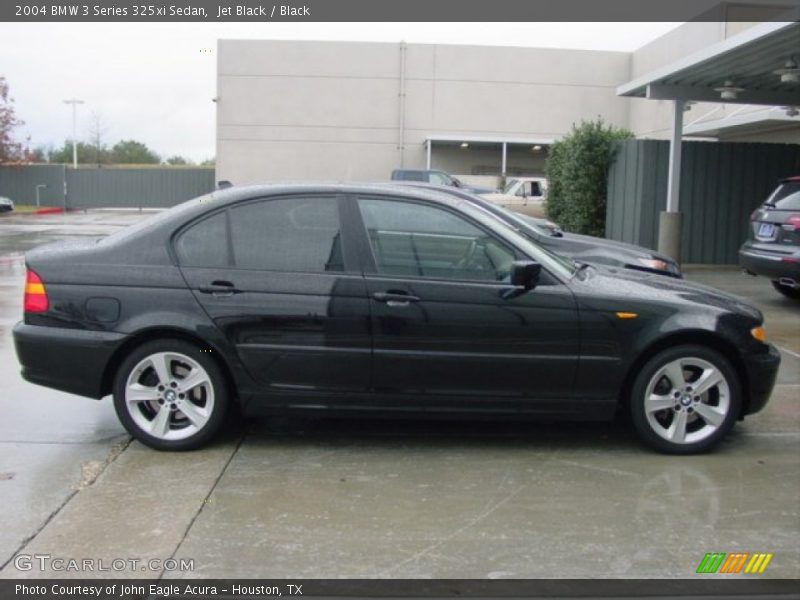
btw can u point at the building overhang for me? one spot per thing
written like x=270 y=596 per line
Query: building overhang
x=765 y=119
x=748 y=61
x=487 y=141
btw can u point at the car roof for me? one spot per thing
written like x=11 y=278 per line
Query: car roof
x=231 y=195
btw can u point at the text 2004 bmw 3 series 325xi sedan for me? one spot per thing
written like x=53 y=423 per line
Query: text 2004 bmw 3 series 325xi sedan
x=367 y=300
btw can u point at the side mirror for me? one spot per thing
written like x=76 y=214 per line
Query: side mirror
x=525 y=273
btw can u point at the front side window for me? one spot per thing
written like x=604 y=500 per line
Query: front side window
x=417 y=240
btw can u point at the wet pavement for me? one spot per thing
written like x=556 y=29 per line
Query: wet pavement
x=331 y=498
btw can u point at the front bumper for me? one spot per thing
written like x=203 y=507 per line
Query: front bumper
x=70 y=360
x=774 y=265
x=762 y=370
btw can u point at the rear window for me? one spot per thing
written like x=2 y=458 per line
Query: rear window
x=786 y=197
x=409 y=176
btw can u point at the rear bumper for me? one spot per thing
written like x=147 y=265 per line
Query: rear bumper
x=762 y=370
x=770 y=264
x=70 y=360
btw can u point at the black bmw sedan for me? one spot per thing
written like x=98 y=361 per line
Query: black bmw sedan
x=359 y=299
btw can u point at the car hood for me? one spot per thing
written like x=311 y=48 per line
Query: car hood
x=590 y=241
x=651 y=289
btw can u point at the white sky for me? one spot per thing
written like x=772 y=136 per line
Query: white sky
x=152 y=83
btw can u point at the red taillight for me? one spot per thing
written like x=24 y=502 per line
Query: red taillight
x=754 y=214
x=35 y=294
x=794 y=221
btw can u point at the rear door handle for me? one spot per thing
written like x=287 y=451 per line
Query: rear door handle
x=394 y=298
x=219 y=288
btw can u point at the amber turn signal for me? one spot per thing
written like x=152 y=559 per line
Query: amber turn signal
x=759 y=334
x=626 y=315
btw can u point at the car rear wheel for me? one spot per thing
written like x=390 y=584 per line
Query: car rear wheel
x=786 y=290
x=170 y=396
x=685 y=399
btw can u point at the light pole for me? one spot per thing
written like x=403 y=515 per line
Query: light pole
x=74 y=102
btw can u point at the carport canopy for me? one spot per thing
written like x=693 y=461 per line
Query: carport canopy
x=747 y=68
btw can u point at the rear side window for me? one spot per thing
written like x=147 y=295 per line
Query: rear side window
x=786 y=197
x=287 y=234
x=205 y=244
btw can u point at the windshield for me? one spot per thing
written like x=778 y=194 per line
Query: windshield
x=562 y=265
x=786 y=197
x=509 y=189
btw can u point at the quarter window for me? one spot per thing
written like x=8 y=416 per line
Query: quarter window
x=205 y=244
x=416 y=240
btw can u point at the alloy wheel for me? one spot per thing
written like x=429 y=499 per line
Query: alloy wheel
x=687 y=400
x=169 y=395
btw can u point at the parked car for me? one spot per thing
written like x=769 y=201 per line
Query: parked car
x=6 y=204
x=582 y=248
x=437 y=178
x=355 y=299
x=772 y=248
x=525 y=195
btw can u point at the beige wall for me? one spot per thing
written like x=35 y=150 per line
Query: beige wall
x=331 y=110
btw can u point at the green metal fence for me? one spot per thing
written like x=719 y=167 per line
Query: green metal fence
x=107 y=187
x=721 y=184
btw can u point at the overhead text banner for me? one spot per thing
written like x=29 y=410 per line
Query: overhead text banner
x=395 y=10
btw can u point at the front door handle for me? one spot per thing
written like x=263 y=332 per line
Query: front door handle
x=395 y=298
x=219 y=288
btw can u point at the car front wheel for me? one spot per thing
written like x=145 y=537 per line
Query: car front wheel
x=170 y=396
x=685 y=399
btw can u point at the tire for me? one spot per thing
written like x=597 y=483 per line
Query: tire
x=153 y=379
x=789 y=292
x=708 y=403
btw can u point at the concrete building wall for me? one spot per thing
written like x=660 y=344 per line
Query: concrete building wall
x=332 y=110
x=349 y=110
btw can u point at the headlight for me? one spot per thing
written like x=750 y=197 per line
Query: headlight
x=654 y=263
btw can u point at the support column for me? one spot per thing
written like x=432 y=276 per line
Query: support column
x=428 y=163
x=670 y=221
x=504 y=161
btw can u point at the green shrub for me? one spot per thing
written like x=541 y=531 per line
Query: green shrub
x=577 y=172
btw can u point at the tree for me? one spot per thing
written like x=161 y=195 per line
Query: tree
x=10 y=149
x=178 y=160
x=577 y=172
x=209 y=162
x=63 y=154
x=40 y=154
x=97 y=131
x=133 y=152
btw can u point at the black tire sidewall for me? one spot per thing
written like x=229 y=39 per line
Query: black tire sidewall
x=637 y=411
x=792 y=293
x=221 y=394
